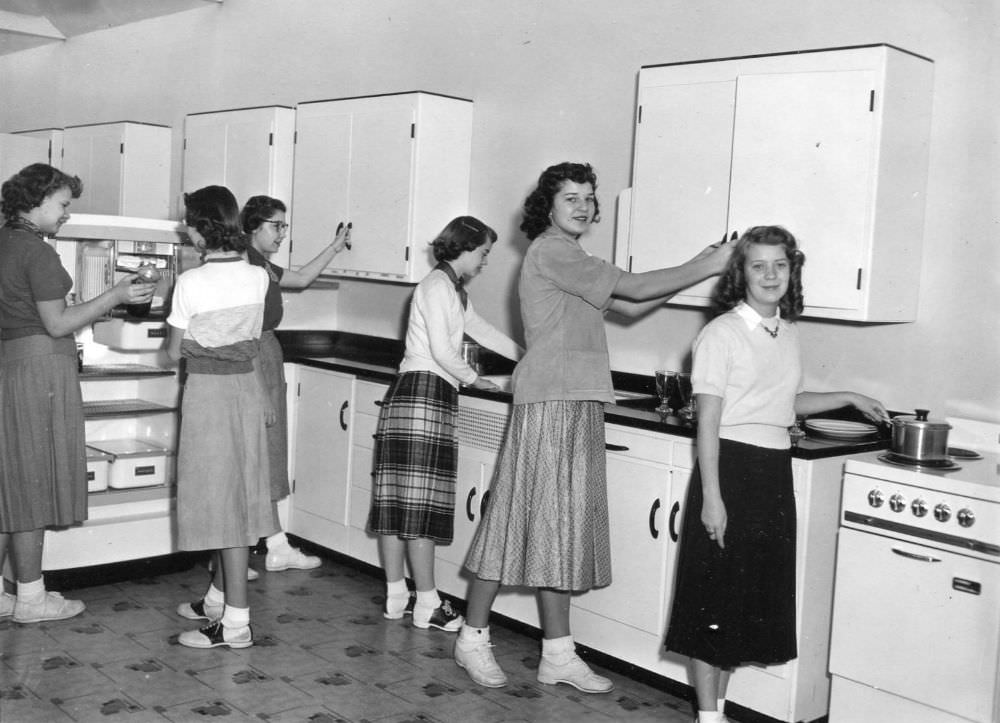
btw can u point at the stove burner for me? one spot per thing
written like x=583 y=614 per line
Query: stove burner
x=941 y=465
x=959 y=453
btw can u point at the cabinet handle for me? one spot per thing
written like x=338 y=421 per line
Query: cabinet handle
x=343 y=422
x=379 y=403
x=468 y=505
x=615 y=447
x=673 y=518
x=655 y=533
x=913 y=556
x=483 y=503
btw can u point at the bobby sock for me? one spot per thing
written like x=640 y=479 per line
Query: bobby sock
x=31 y=592
x=214 y=596
x=233 y=617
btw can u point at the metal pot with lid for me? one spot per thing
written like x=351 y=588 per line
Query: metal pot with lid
x=918 y=438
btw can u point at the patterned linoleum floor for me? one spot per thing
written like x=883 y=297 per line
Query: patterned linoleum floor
x=323 y=654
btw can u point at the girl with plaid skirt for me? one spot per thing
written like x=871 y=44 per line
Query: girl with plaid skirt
x=416 y=445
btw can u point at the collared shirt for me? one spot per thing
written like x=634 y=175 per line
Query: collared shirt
x=758 y=376
x=564 y=293
x=436 y=326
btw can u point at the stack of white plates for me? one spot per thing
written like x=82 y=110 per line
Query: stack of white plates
x=840 y=428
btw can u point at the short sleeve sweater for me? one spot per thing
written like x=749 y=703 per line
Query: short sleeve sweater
x=30 y=271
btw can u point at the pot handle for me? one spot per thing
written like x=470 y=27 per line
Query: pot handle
x=922 y=414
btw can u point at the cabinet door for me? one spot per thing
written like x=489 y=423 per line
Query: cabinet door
x=354 y=163
x=322 y=453
x=17 y=151
x=637 y=496
x=475 y=469
x=94 y=153
x=803 y=153
x=681 y=179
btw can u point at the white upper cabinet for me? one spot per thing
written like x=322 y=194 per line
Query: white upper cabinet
x=248 y=150
x=396 y=166
x=18 y=151
x=832 y=145
x=125 y=168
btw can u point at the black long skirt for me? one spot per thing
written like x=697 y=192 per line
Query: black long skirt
x=736 y=605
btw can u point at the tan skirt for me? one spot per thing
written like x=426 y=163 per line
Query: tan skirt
x=546 y=524
x=43 y=461
x=223 y=475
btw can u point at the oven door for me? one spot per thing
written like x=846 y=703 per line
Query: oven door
x=917 y=622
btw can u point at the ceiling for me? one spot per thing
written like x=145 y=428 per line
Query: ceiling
x=28 y=24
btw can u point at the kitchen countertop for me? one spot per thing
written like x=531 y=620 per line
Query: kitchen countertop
x=377 y=359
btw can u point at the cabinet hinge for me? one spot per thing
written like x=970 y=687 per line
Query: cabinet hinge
x=50 y=152
x=184 y=145
x=630 y=264
x=413 y=130
x=871 y=102
x=406 y=255
x=640 y=115
x=295 y=137
x=121 y=148
x=270 y=139
x=859 y=280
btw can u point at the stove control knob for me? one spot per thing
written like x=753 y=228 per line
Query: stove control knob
x=966 y=517
x=919 y=507
x=942 y=512
x=876 y=498
x=897 y=503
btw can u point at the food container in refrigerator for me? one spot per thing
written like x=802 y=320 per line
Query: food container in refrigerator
x=98 y=469
x=130 y=335
x=136 y=463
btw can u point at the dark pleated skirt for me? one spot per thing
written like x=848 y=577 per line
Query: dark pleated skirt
x=737 y=606
x=416 y=460
x=271 y=360
x=43 y=461
x=546 y=524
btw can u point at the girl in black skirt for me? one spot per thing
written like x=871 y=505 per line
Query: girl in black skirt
x=735 y=586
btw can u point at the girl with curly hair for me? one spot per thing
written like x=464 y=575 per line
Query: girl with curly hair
x=735 y=587
x=416 y=445
x=223 y=476
x=547 y=522
x=43 y=466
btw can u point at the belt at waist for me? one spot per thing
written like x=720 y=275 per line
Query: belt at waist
x=36 y=345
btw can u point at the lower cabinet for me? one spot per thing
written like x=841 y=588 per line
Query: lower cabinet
x=321 y=461
x=368 y=396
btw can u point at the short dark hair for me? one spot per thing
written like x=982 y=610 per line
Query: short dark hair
x=731 y=288
x=213 y=212
x=30 y=186
x=259 y=209
x=538 y=204
x=462 y=234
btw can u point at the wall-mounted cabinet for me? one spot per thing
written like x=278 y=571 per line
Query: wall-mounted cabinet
x=125 y=168
x=248 y=150
x=53 y=138
x=831 y=144
x=18 y=151
x=396 y=166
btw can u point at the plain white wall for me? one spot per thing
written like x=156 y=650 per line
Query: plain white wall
x=555 y=81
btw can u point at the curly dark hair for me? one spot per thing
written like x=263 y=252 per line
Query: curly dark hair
x=731 y=288
x=462 y=234
x=213 y=212
x=259 y=209
x=30 y=186
x=538 y=204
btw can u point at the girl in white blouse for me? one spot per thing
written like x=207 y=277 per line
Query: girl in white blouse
x=416 y=446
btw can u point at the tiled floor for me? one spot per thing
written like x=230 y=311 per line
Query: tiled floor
x=323 y=653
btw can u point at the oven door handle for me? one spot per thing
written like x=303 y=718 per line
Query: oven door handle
x=913 y=556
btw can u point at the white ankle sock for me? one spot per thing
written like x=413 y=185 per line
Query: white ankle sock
x=235 y=617
x=31 y=591
x=428 y=598
x=397 y=588
x=214 y=596
x=469 y=634
x=277 y=541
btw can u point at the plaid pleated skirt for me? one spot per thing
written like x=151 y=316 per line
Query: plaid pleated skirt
x=546 y=523
x=43 y=460
x=736 y=605
x=416 y=460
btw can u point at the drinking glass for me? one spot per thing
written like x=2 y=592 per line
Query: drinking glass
x=664 y=389
x=685 y=397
